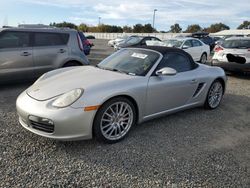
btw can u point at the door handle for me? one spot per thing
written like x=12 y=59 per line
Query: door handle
x=61 y=51
x=25 y=54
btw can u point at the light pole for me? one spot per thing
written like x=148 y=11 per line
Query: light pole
x=99 y=23
x=154 y=18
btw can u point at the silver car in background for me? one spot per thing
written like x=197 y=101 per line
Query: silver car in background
x=131 y=86
x=28 y=53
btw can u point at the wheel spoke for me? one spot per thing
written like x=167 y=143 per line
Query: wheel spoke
x=107 y=120
x=111 y=131
x=117 y=108
x=108 y=115
x=113 y=112
x=111 y=127
x=124 y=110
x=120 y=111
x=105 y=126
x=119 y=129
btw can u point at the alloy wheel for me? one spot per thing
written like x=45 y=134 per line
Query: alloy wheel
x=215 y=94
x=116 y=120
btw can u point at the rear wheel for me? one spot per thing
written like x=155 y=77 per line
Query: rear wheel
x=203 y=59
x=214 y=96
x=114 y=120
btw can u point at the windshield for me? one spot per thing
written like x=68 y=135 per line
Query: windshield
x=173 y=43
x=130 y=61
x=236 y=44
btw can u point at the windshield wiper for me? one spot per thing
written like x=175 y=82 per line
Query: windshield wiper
x=116 y=70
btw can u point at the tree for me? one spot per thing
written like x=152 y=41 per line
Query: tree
x=148 y=28
x=64 y=24
x=244 y=25
x=193 y=28
x=83 y=27
x=127 y=29
x=216 y=28
x=175 y=28
x=138 y=28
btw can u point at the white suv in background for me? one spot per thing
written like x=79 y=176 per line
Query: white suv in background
x=233 y=54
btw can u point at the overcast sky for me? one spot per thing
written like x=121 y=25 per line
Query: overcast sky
x=126 y=12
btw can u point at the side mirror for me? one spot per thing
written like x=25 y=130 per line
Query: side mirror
x=166 y=71
x=185 y=47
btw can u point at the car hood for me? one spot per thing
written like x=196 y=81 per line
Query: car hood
x=64 y=81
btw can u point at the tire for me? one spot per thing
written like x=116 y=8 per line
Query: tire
x=111 y=127
x=214 y=95
x=71 y=64
x=203 y=58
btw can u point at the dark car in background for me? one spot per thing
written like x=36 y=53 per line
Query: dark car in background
x=90 y=37
x=204 y=37
x=86 y=43
x=135 y=41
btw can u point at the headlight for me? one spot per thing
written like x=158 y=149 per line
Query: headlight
x=67 y=98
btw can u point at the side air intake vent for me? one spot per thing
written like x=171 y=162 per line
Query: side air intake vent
x=200 y=86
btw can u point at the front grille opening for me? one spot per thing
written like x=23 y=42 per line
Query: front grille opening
x=42 y=124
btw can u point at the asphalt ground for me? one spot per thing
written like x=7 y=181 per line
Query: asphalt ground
x=193 y=148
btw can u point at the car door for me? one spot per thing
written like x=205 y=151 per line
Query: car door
x=170 y=92
x=188 y=47
x=197 y=49
x=16 y=61
x=50 y=49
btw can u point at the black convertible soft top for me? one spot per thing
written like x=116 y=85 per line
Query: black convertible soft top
x=164 y=50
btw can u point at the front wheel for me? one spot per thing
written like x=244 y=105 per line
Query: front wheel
x=214 y=96
x=114 y=120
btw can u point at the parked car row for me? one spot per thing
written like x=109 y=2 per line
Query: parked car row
x=196 y=48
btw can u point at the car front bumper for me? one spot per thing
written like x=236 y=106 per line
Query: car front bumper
x=68 y=123
x=231 y=66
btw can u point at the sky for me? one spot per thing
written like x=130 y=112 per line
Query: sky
x=125 y=12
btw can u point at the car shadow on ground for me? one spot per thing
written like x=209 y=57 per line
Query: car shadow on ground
x=240 y=75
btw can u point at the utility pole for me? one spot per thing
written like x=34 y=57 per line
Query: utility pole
x=99 y=22
x=154 y=19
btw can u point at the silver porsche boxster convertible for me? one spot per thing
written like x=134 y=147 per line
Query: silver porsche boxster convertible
x=131 y=86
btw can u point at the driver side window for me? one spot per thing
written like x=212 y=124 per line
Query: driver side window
x=188 y=44
x=176 y=61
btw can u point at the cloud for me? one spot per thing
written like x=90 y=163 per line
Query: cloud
x=169 y=11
